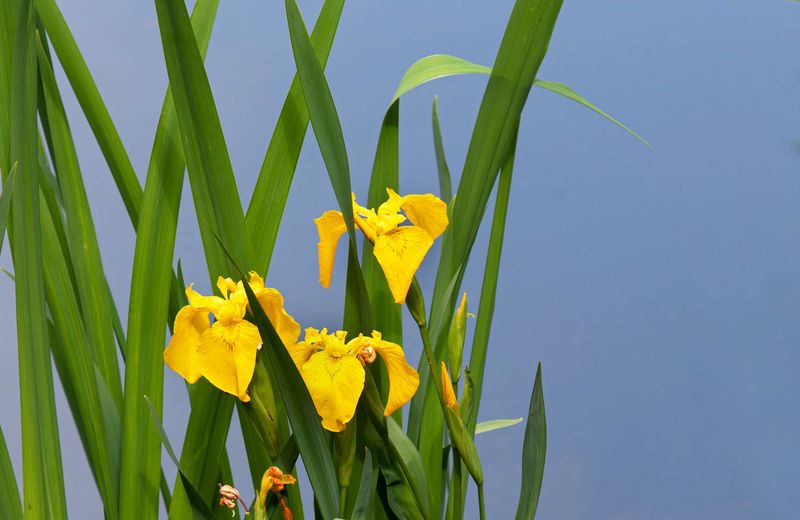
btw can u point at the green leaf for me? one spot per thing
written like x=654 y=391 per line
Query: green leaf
x=328 y=131
x=5 y=202
x=214 y=191
x=322 y=111
x=84 y=251
x=277 y=171
x=563 y=90
x=365 y=489
x=98 y=426
x=151 y=282
x=42 y=476
x=219 y=213
x=93 y=107
x=10 y=505
x=533 y=453
x=491 y=272
x=495 y=424
x=521 y=52
x=445 y=184
x=433 y=67
x=438 y=66
x=199 y=507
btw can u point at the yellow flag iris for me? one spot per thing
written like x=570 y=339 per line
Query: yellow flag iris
x=398 y=249
x=225 y=352
x=334 y=373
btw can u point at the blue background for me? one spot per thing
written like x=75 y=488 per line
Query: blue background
x=659 y=288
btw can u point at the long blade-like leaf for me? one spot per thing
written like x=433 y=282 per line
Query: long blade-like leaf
x=81 y=238
x=149 y=298
x=93 y=107
x=491 y=272
x=277 y=171
x=322 y=111
x=438 y=66
x=43 y=483
x=495 y=424
x=199 y=507
x=77 y=369
x=445 y=183
x=10 y=505
x=328 y=131
x=5 y=202
x=521 y=52
x=219 y=212
x=533 y=453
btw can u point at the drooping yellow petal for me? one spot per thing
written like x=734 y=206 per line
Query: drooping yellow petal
x=301 y=352
x=330 y=227
x=226 y=356
x=403 y=379
x=335 y=384
x=399 y=253
x=200 y=302
x=426 y=211
x=272 y=302
x=450 y=400
x=181 y=352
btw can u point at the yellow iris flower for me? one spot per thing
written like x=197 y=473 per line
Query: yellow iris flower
x=225 y=352
x=398 y=249
x=334 y=373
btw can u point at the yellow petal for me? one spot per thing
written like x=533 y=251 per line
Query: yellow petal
x=330 y=227
x=301 y=351
x=450 y=400
x=200 y=302
x=335 y=384
x=426 y=211
x=226 y=286
x=403 y=379
x=256 y=282
x=181 y=352
x=227 y=356
x=400 y=252
x=272 y=302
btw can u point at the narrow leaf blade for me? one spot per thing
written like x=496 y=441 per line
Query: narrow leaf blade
x=533 y=453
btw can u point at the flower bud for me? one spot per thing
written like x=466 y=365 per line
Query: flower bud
x=455 y=338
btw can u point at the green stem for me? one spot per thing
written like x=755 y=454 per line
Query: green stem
x=342 y=501
x=481 y=505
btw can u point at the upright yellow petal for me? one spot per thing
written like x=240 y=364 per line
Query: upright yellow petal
x=200 y=302
x=450 y=400
x=403 y=379
x=330 y=227
x=227 y=356
x=301 y=352
x=400 y=253
x=272 y=302
x=335 y=384
x=426 y=211
x=256 y=282
x=181 y=352
x=226 y=286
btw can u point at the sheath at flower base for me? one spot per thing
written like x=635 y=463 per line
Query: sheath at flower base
x=334 y=373
x=225 y=352
x=398 y=249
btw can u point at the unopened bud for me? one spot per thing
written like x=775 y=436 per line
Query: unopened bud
x=455 y=338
